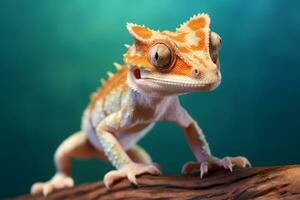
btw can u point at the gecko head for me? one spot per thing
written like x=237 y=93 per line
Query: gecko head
x=167 y=63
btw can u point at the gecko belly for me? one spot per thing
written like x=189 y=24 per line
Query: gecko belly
x=126 y=138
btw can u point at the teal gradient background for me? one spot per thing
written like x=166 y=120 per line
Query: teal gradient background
x=53 y=53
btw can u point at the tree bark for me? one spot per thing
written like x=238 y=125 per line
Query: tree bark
x=251 y=183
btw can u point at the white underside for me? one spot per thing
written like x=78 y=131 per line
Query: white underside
x=127 y=139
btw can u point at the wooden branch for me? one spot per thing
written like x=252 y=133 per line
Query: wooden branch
x=251 y=183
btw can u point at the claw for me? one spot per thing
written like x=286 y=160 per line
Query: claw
x=112 y=176
x=201 y=174
x=203 y=169
x=107 y=182
x=131 y=177
x=47 y=190
x=240 y=162
x=230 y=168
x=247 y=163
x=213 y=163
x=226 y=163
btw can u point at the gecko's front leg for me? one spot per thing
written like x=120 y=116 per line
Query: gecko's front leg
x=205 y=160
x=125 y=167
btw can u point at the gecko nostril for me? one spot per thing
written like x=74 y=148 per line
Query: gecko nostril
x=196 y=73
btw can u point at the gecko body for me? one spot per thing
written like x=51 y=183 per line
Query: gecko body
x=159 y=66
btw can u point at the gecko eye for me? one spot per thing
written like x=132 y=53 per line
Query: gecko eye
x=214 y=46
x=161 y=56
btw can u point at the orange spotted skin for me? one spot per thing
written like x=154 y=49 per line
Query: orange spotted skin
x=197 y=23
x=190 y=43
x=177 y=36
x=184 y=49
x=142 y=32
x=118 y=80
x=180 y=68
x=200 y=45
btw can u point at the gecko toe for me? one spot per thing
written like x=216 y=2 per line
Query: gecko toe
x=203 y=169
x=59 y=181
x=131 y=177
x=36 y=188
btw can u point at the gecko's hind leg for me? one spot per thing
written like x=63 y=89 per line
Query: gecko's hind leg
x=76 y=146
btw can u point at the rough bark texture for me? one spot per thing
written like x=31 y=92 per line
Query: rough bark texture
x=251 y=183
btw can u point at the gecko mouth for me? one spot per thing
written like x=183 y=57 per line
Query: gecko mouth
x=180 y=83
x=168 y=84
x=171 y=80
x=137 y=73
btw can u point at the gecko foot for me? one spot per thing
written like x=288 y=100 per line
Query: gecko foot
x=130 y=171
x=213 y=163
x=59 y=181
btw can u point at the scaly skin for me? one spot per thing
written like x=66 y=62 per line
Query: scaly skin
x=159 y=66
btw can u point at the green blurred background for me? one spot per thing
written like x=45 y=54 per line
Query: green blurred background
x=53 y=53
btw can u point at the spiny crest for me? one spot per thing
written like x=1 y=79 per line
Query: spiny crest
x=127 y=46
x=194 y=33
x=195 y=23
x=118 y=66
x=139 y=32
x=102 y=81
x=110 y=74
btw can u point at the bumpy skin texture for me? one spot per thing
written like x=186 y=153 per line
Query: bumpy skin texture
x=159 y=66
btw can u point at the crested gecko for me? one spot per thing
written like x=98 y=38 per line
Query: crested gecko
x=159 y=66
